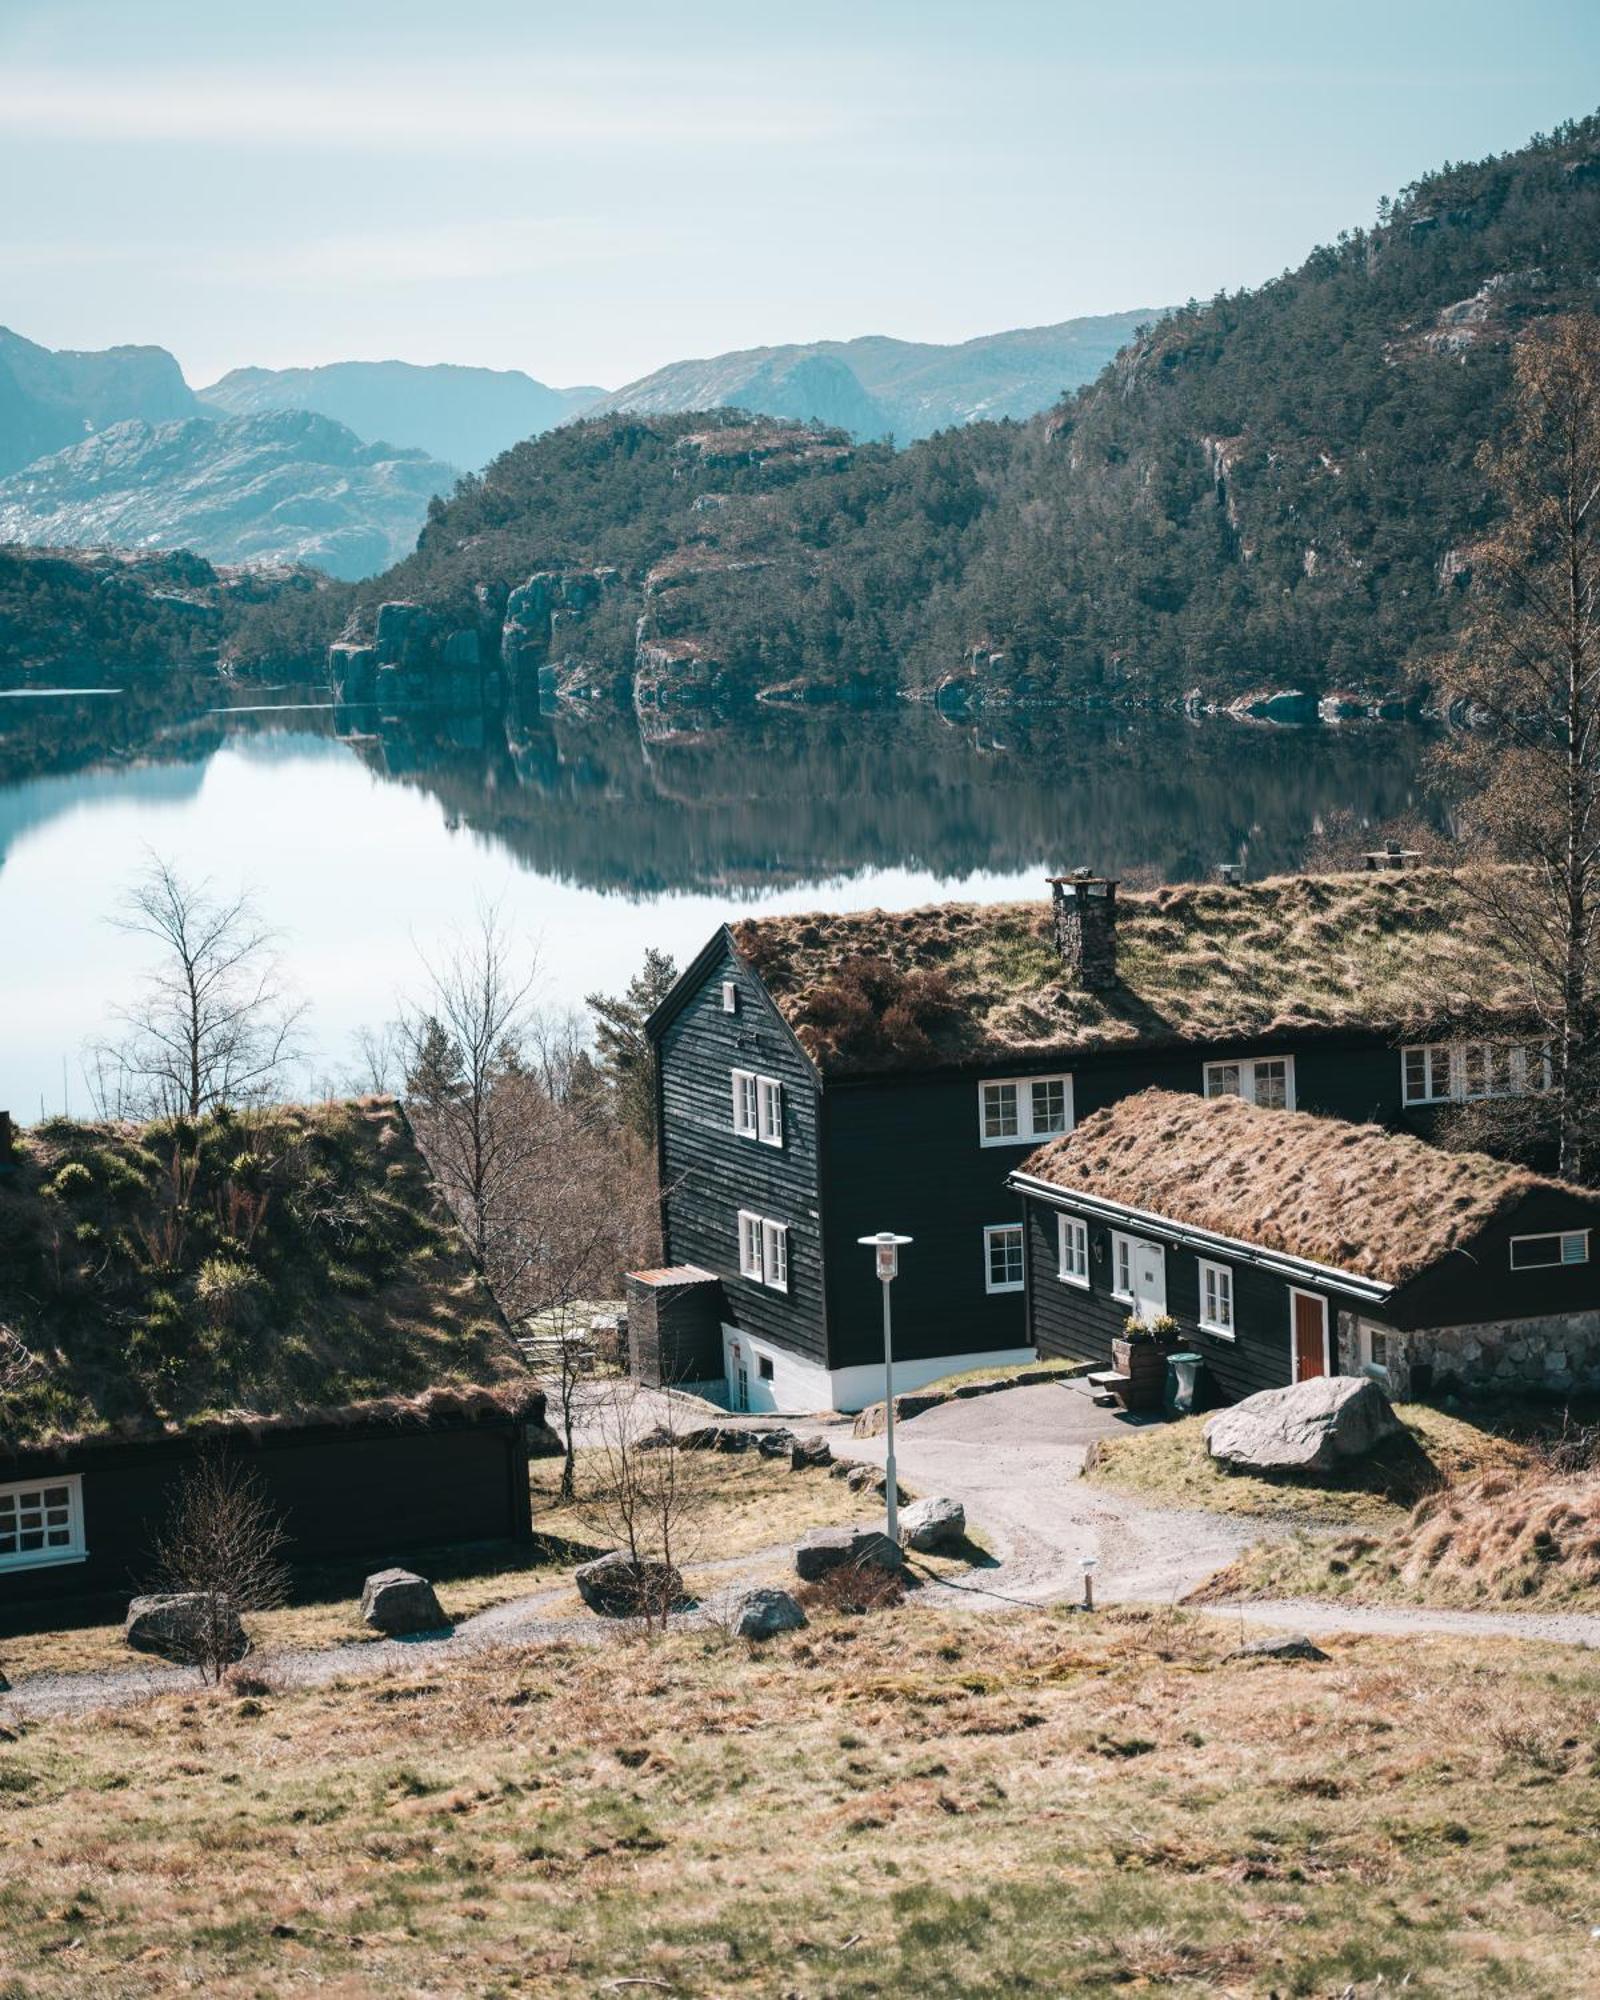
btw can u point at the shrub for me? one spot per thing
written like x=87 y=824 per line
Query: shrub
x=854 y=1589
x=871 y=1008
x=226 y=1289
x=72 y=1179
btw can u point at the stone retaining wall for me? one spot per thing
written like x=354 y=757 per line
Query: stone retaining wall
x=1556 y=1353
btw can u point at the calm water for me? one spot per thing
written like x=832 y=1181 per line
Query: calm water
x=367 y=841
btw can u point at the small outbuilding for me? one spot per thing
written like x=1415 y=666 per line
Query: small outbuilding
x=1284 y=1246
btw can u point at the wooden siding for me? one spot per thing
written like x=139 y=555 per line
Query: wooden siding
x=709 y=1172
x=1080 y=1324
x=1477 y=1284
x=375 y=1494
x=675 y=1332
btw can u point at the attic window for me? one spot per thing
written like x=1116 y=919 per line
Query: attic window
x=730 y=996
x=1536 y=1253
x=41 y=1522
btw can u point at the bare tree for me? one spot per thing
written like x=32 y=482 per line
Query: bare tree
x=212 y=1026
x=19 y=1370
x=1528 y=663
x=221 y=1546
x=645 y=1495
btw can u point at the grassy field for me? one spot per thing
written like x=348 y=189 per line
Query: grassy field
x=743 y=1504
x=1167 y=1465
x=970 y=1376
x=1033 y=1804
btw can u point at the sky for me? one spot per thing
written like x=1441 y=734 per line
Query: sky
x=589 y=191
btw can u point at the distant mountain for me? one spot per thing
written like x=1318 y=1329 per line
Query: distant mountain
x=289 y=486
x=464 y=416
x=874 y=385
x=50 y=399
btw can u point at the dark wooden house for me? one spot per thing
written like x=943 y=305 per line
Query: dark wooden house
x=824 y=1077
x=312 y=1314
x=1286 y=1246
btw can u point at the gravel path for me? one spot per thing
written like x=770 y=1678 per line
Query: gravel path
x=1013 y=1460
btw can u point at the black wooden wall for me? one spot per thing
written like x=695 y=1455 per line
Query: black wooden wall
x=709 y=1173
x=378 y=1492
x=1477 y=1284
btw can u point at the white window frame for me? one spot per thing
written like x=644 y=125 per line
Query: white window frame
x=730 y=996
x=1027 y=1133
x=1246 y=1066
x=1220 y=1277
x=769 y=1111
x=1122 y=1266
x=1527 y=1068
x=1298 y=1292
x=746 y=1115
x=1561 y=1238
x=750 y=1264
x=1072 y=1251
x=775 y=1254
x=993 y=1230
x=1366 y=1363
x=72 y=1550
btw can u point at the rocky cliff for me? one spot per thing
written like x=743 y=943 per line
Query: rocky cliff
x=286 y=487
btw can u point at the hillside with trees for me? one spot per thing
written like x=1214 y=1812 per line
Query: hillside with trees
x=1276 y=489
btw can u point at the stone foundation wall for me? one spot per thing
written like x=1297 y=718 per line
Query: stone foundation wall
x=1555 y=1354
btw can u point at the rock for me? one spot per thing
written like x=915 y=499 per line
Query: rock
x=398 y=1600
x=544 y=1442
x=865 y=1479
x=807 y=1452
x=775 y=1444
x=761 y=1614
x=618 y=1587
x=825 y=1549
x=1311 y=1427
x=1295 y=1647
x=173 y=1624
x=5 y=1685
x=933 y=1524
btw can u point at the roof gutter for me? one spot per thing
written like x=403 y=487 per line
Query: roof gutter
x=1373 y=1291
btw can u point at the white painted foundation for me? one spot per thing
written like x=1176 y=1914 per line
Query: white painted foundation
x=799 y=1386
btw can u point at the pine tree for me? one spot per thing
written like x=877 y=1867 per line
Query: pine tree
x=625 y=1059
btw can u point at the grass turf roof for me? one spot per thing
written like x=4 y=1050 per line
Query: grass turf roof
x=311 y=1274
x=970 y=983
x=1377 y=1204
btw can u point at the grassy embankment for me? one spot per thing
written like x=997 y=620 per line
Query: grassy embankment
x=910 y=1802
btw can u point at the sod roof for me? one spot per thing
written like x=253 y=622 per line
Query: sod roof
x=286 y=1265
x=967 y=983
x=1377 y=1204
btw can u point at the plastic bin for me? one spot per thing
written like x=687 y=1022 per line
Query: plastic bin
x=1183 y=1384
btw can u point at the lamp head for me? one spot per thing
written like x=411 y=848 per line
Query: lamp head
x=887 y=1246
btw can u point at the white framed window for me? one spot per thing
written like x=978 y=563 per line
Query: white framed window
x=775 y=1255
x=41 y=1522
x=1538 y=1253
x=1216 y=1299
x=1466 y=1072
x=769 y=1111
x=1072 y=1244
x=730 y=996
x=1374 y=1349
x=1122 y=1268
x=1023 y=1110
x=1002 y=1257
x=749 y=1245
x=745 y=1110
x=1264 y=1080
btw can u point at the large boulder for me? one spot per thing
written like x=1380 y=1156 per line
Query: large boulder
x=1311 y=1427
x=398 y=1600
x=807 y=1452
x=775 y=1444
x=176 y=1625
x=825 y=1549
x=618 y=1587
x=761 y=1614
x=933 y=1524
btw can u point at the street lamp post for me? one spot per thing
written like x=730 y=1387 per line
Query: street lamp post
x=887 y=1246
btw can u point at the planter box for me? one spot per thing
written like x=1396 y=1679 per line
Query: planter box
x=1144 y=1362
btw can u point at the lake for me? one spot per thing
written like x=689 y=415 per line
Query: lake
x=368 y=840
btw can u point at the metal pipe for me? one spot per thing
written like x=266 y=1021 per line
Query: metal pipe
x=891 y=1490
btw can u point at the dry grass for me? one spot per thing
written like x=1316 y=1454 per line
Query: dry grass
x=969 y=1377
x=1168 y=1465
x=1529 y=1542
x=896 y=1804
x=1357 y=1197
x=1296 y=953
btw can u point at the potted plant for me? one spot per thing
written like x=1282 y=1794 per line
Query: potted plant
x=1140 y=1353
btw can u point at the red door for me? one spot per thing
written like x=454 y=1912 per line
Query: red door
x=1310 y=1335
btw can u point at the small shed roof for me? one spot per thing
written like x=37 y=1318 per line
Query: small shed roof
x=956 y=983
x=1358 y=1198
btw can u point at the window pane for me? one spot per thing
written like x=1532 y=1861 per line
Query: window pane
x=1529 y=1252
x=1272 y=1085
x=1000 y=1111
x=1416 y=1075
x=1049 y=1106
x=1222 y=1080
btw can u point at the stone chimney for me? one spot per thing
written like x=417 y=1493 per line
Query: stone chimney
x=1084 y=921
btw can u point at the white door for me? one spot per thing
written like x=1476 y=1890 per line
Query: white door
x=1148 y=1262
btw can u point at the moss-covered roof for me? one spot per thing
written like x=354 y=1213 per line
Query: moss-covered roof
x=969 y=982
x=282 y=1264
x=1375 y=1203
